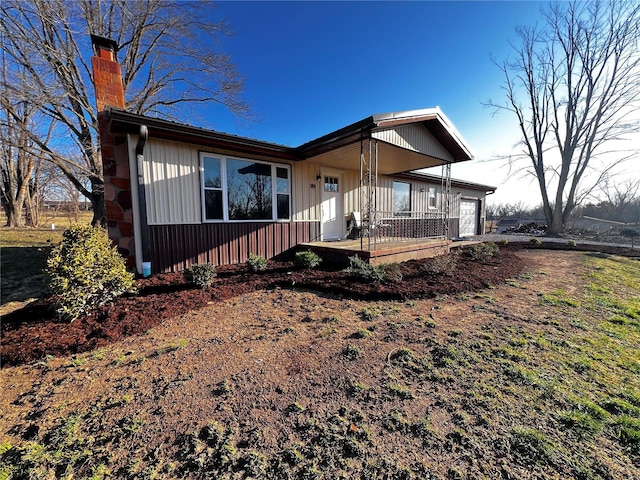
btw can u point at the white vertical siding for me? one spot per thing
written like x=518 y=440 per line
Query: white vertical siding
x=351 y=182
x=416 y=137
x=172 y=183
x=306 y=199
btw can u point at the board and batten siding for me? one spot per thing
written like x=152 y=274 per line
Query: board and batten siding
x=172 y=183
x=306 y=192
x=414 y=137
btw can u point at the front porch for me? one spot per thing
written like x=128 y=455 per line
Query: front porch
x=397 y=250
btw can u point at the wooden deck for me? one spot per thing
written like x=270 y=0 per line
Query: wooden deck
x=399 y=250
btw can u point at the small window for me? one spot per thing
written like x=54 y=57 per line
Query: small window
x=331 y=184
x=401 y=198
x=283 y=194
x=432 y=197
x=212 y=188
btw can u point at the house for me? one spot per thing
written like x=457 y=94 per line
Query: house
x=177 y=194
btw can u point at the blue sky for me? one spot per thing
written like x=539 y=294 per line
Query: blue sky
x=313 y=67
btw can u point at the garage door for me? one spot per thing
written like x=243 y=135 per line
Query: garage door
x=468 y=217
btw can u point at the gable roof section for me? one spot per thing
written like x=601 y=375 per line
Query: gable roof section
x=436 y=122
x=391 y=128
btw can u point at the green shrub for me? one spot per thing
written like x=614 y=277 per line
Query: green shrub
x=484 y=251
x=571 y=243
x=535 y=241
x=307 y=259
x=86 y=271
x=256 y=263
x=443 y=264
x=362 y=270
x=391 y=272
x=200 y=275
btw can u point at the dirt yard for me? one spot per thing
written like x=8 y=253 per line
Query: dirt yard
x=304 y=374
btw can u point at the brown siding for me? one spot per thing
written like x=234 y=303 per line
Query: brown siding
x=174 y=247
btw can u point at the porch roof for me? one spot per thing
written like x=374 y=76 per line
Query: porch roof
x=407 y=140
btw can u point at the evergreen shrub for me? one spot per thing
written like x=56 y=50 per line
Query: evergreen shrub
x=307 y=259
x=86 y=271
x=200 y=275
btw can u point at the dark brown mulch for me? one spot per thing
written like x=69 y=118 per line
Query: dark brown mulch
x=34 y=332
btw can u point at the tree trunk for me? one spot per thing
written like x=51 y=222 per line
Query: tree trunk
x=14 y=216
x=97 y=203
x=556 y=227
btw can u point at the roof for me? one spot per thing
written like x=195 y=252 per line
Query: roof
x=600 y=220
x=454 y=181
x=126 y=122
x=437 y=123
x=432 y=118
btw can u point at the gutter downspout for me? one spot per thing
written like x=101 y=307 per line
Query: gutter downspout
x=142 y=207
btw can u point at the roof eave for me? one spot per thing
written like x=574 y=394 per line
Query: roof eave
x=338 y=138
x=126 y=122
x=454 y=181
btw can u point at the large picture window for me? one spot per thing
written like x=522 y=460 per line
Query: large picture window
x=401 y=198
x=237 y=189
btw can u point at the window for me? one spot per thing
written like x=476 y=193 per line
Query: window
x=331 y=184
x=212 y=188
x=401 y=198
x=283 y=193
x=236 y=189
x=432 y=197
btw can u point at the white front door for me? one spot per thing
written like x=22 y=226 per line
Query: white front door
x=332 y=227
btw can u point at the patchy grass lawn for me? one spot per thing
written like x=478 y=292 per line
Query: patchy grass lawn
x=23 y=256
x=538 y=378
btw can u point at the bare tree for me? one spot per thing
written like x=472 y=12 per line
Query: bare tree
x=168 y=56
x=573 y=86
x=616 y=201
x=17 y=165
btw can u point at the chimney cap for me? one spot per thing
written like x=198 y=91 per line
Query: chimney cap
x=104 y=43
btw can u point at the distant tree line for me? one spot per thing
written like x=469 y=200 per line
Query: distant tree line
x=617 y=202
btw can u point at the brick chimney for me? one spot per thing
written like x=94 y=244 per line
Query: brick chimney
x=107 y=75
x=107 y=79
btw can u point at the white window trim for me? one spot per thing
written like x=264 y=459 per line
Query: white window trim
x=225 y=196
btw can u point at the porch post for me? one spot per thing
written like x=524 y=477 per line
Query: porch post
x=446 y=191
x=368 y=189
